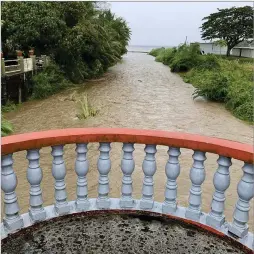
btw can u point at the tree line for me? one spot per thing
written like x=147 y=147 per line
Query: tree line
x=82 y=39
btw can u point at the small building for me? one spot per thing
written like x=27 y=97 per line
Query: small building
x=212 y=48
x=244 y=49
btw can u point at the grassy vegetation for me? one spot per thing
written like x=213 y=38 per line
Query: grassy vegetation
x=9 y=106
x=85 y=108
x=50 y=81
x=6 y=127
x=218 y=78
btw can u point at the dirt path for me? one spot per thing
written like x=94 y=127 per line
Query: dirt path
x=137 y=93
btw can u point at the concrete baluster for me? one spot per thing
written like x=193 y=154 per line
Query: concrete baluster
x=127 y=166
x=104 y=165
x=221 y=181
x=59 y=172
x=12 y=220
x=245 y=190
x=81 y=168
x=197 y=176
x=172 y=170
x=149 y=168
x=34 y=177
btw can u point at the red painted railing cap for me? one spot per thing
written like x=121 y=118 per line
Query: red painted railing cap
x=26 y=141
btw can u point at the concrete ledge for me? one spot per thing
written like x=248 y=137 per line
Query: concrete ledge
x=119 y=231
x=157 y=208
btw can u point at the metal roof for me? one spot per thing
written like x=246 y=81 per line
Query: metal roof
x=245 y=44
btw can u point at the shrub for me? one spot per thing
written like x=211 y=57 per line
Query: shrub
x=85 y=108
x=185 y=58
x=210 y=84
x=166 y=56
x=156 y=52
x=48 y=82
x=240 y=99
x=208 y=62
x=218 y=78
x=9 y=106
x=6 y=127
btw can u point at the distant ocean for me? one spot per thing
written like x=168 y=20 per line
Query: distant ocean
x=144 y=48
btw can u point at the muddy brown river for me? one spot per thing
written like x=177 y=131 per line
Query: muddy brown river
x=137 y=93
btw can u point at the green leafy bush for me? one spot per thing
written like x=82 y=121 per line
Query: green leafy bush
x=225 y=81
x=156 y=52
x=179 y=59
x=6 y=127
x=185 y=58
x=82 y=38
x=210 y=84
x=9 y=106
x=240 y=99
x=166 y=56
x=208 y=62
x=218 y=78
x=48 y=82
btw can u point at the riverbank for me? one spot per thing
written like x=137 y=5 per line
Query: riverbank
x=216 y=78
x=137 y=93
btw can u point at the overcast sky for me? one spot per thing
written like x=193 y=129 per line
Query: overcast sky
x=166 y=24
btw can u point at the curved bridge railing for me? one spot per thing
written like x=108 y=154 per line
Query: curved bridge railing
x=32 y=142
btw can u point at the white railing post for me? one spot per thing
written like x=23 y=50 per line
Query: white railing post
x=172 y=170
x=59 y=173
x=81 y=168
x=12 y=220
x=221 y=181
x=34 y=177
x=149 y=168
x=127 y=166
x=245 y=190
x=197 y=177
x=104 y=165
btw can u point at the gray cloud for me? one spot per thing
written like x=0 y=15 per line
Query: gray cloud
x=166 y=23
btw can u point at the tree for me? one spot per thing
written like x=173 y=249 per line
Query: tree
x=232 y=25
x=31 y=24
x=83 y=40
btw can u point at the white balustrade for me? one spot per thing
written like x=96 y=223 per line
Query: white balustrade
x=34 y=177
x=127 y=166
x=149 y=168
x=104 y=165
x=197 y=177
x=172 y=170
x=245 y=190
x=12 y=220
x=216 y=218
x=59 y=172
x=221 y=181
x=81 y=168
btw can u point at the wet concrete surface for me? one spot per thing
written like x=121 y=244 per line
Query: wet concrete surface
x=117 y=233
x=137 y=93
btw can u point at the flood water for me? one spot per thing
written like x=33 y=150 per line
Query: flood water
x=137 y=93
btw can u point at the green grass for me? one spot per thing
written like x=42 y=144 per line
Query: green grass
x=218 y=78
x=9 y=106
x=155 y=52
x=85 y=108
x=6 y=127
x=240 y=59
